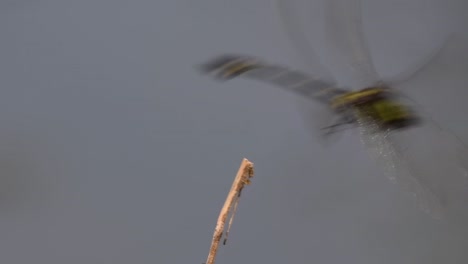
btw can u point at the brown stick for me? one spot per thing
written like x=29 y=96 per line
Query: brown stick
x=243 y=176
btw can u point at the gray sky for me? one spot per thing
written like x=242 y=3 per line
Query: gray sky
x=114 y=150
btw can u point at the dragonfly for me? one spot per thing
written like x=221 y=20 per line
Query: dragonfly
x=427 y=160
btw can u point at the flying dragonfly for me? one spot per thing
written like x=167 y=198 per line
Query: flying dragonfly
x=427 y=160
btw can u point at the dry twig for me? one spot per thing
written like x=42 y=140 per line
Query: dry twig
x=242 y=178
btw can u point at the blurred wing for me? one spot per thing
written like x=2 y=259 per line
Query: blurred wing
x=315 y=117
x=421 y=65
x=292 y=20
x=230 y=66
x=428 y=162
x=343 y=33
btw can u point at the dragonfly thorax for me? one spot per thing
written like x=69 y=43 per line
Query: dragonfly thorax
x=377 y=105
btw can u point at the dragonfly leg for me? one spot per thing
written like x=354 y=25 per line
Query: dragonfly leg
x=342 y=122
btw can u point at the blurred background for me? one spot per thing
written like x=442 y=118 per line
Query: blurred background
x=114 y=149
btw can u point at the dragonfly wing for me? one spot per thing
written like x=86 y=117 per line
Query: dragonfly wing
x=441 y=81
x=295 y=24
x=436 y=156
x=295 y=27
x=395 y=167
x=421 y=65
x=229 y=66
x=428 y=162
x=348 y=47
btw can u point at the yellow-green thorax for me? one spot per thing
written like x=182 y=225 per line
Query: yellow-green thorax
x=377 y=105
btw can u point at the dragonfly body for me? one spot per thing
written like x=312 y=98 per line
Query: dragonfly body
x=389 y=128
x=376 y=104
